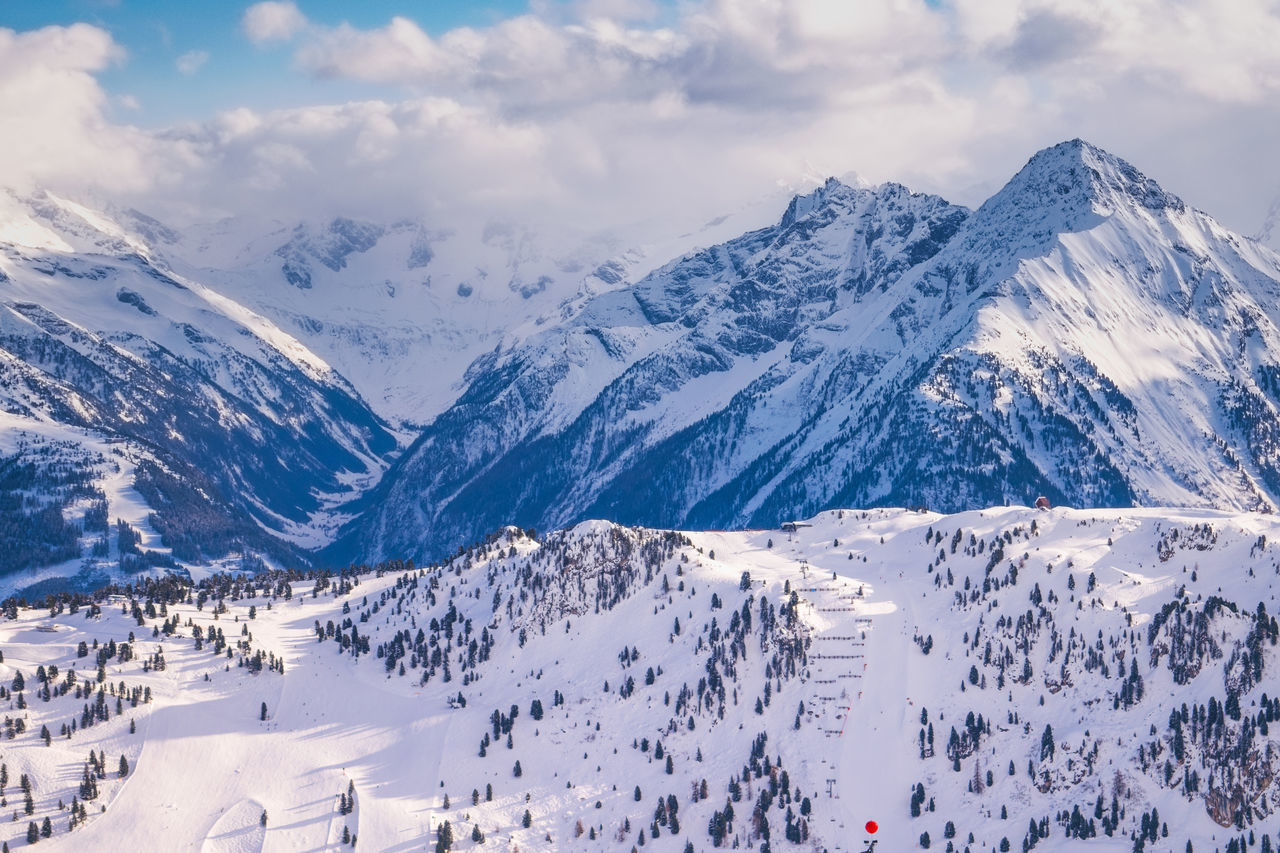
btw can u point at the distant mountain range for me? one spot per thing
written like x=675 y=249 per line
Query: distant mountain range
x=1083 y=335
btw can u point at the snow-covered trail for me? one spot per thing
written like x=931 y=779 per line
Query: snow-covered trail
x=330 y=723
x=190 y=728
x=862 y=685
x=360 y=726
x=872 y=779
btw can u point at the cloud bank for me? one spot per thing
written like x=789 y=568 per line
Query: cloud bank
x=609 y=112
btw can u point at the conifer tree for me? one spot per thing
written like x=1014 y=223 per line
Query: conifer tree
x=1046 y=743
x=527 y=820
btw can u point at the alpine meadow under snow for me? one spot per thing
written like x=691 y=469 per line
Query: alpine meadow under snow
x=274 y=505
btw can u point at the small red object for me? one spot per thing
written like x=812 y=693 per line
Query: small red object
x=872 y=826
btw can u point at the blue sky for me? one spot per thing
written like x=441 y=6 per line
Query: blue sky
x=156 y=33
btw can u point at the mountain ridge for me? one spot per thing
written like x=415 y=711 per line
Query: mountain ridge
x=1082 y=334
x=977 y=371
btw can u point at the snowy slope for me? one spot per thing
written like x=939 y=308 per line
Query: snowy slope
x=1083 y=334
x=797 y=673
x=242 y=434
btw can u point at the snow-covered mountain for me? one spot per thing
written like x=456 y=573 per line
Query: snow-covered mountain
x=398 y=309
x=401 y=309
x=1083 y=335
x=236 y=316
x=130 y=392
x=383 y=319
x=1000 y=679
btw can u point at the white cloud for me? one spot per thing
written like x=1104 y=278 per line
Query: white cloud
x=625 y=10
x=191 y=61
x=272 y=21
x=739 y=53
x=753 y=55
x=53 y=113
x=605 y=113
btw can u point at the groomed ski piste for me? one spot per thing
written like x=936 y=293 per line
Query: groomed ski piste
x=788 y=676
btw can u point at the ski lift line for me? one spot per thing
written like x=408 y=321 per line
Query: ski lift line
x=846 y=719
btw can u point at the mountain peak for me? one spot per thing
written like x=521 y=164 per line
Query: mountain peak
x=1070 y=187
x=1077 y=178
x=846 y=194
x=802 y=204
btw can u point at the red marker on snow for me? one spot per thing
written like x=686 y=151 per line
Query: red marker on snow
x=872 y=826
